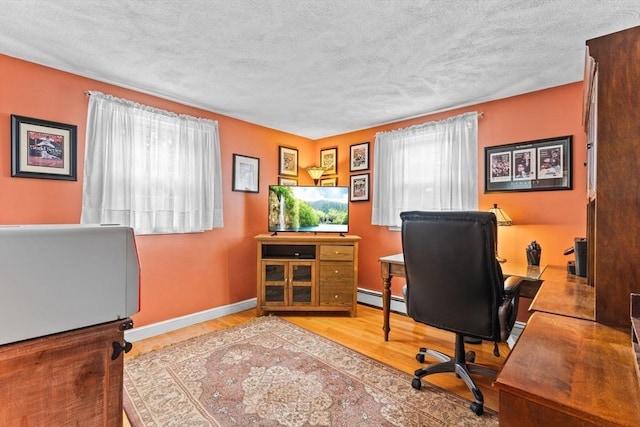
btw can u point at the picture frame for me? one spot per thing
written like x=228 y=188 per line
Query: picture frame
x=287 y=181
x=246 y=173
x=359 y=188
x=329 y=182
x=329 y=160
x=287 y=161
x=359 y=157
x=43 y=149
x=538 y=165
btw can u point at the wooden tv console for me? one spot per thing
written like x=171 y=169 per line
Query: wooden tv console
x=307 y=272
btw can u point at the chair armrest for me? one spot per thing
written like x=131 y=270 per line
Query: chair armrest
x=511 y=285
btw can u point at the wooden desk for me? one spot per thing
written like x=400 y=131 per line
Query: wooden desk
x=568 y=371
x=393 y=266
x=565 y=294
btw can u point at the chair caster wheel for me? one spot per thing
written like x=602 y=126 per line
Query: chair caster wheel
x=477 y=408
x=416 y=383
x=420 y=357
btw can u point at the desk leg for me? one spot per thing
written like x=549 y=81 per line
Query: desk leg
x=386 y=305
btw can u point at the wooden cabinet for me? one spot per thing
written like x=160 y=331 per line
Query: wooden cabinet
x=307 y=273
x=64 y=379
x=612 y=121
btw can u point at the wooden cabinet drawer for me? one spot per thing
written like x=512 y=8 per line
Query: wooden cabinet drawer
x=336 y=272
x=336 y=294
x=336 y=252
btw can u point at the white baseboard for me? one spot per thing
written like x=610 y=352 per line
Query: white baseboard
x=148 y=331
x=374 y=298
x=365 y=296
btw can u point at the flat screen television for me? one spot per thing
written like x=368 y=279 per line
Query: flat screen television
x=308 y=209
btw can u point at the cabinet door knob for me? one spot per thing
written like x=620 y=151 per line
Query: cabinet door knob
x=335 y=296
x=336 y=271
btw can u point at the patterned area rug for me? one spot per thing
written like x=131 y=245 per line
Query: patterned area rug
x=269 y=372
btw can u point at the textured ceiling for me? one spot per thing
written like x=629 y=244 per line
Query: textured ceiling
x=316 y=68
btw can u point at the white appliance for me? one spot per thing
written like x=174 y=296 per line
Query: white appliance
x=56 y=278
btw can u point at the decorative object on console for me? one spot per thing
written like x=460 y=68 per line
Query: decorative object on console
x=315 y=172
x=43 y=149
x=543 y=164
x=359 y=159
x=534 y=251
x=287 y=161
x=329 y=160
x=503 y=220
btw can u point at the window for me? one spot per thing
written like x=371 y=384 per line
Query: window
x=433 y=166
x=149 y=169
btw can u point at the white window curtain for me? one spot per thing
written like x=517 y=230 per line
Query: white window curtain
x=149 y=169
x=433 y=166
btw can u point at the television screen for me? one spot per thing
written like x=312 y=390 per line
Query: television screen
x=308 y=209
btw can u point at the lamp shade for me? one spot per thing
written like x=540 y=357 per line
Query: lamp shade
x=501 y=216
x=315 y=172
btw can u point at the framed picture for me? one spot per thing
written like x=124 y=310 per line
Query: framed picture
x=287 y=161
x=43 y=149
x=287 y=181
x=329 y=160
x=246 y=174
x=543 y=164
x=359 y=187
x=329 y=182
x=359 y=158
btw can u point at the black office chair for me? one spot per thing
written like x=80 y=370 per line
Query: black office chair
x=455 y=283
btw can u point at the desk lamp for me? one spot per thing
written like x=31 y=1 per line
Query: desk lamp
x=315 y=172
x=503 y=220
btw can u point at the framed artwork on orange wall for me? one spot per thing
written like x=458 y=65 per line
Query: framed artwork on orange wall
x=329 y=160
x=543 y=164
x=287 y=161
x=43 y=149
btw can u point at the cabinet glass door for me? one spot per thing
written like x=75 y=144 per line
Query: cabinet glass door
x=274 y=282
x=302 y=279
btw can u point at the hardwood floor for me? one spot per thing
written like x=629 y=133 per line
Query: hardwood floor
x=363 y=334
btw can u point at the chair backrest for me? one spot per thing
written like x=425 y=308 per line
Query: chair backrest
x=454 y=281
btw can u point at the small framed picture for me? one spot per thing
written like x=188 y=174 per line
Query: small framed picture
x=43 y=149
x=359 y=158
x=329 y=160
x=287 y=161
x=359 y=187
x=329 y=182
x=246 y=173
x=287 y=181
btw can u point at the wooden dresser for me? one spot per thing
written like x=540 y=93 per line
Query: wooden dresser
x=65 y=379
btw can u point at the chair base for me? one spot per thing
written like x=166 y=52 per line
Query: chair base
x=462 y=365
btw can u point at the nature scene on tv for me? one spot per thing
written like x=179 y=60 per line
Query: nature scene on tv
x=309 y=209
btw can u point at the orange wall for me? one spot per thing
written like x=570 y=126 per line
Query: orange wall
x=183 y=274
x=552 y=218
x=180 y=274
